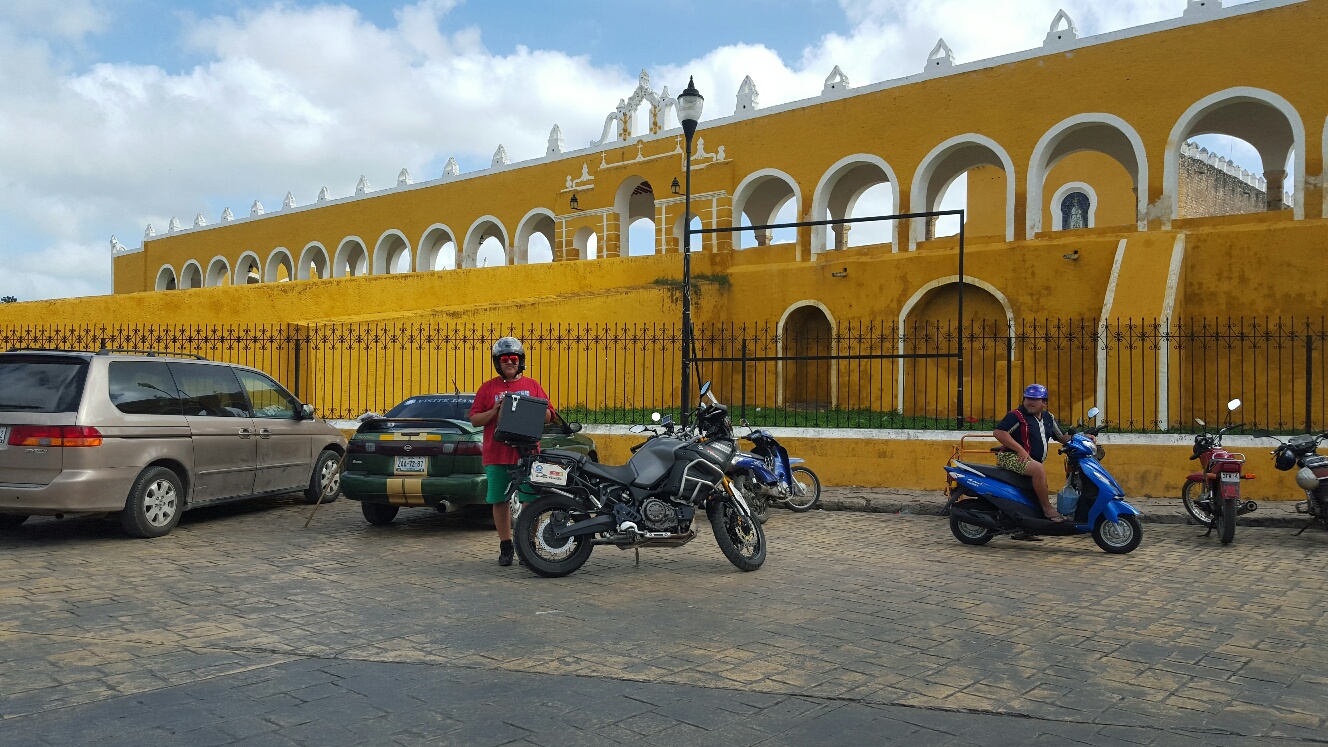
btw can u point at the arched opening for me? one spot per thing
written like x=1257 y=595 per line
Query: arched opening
x=1098 y=149
x=698 y=240
x=535 y=234
x=806 y=331
x=314 y=264
x=438 y=250
x=280 y=267
x=1267 y=123
x=586 y=243
x=248 y=270
x=392 y=254
x=635 y=205
x=488 y=235
x=352 y=259
x=166 y=278
x=760 y=200
x=218 y=273
x=970 y=172
x=191 y=276
x=1223 y=175
x=930 y=324
x=858 y=185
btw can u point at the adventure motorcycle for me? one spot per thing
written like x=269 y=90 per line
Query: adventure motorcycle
x=766 y=476
x=988 y=501
x=649 y=502
x=1312 y=477
x=1212 y=496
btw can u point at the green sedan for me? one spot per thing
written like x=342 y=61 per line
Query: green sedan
x=424 y=452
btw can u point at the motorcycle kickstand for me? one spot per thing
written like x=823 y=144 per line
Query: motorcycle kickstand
x=1308 y=524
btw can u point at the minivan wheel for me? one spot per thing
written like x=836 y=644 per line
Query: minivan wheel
x=11 y=521
x=326 y=478
x=154 y=504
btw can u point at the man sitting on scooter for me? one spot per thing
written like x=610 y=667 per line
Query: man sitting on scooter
x=1024 y=434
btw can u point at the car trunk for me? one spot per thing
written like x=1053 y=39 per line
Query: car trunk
x=420 y=448
x=38 y=396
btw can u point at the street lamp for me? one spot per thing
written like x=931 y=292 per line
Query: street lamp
x=690 y=103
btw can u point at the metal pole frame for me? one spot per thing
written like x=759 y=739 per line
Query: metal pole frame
x=687 y=352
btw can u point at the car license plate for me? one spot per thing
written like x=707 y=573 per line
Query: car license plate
x=4 y=435
x=414 y=465
x=543 y=473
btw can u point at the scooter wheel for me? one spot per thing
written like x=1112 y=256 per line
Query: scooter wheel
x=1118 y=537
x=970 y=534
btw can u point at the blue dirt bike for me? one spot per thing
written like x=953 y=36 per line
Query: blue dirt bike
x=988 y=501
x=766 y=475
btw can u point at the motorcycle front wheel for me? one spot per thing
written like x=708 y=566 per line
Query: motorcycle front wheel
x=740 y=539
x=1118 y=537
x=544 y=553
x=1226 y=520
x=1198 y=499
x=806 y=492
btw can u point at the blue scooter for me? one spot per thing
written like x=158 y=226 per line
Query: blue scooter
x=988 y=500
x=767 y=475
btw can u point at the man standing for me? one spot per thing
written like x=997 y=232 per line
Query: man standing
x=509 y=360
x=1025 y=433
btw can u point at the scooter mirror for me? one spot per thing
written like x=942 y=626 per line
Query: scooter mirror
x=1093 y=412
x=743 y=422
x=1233 y=405
x=1201 y=423
x=637 y=429
x=705 y=389
x=654 y=417
x=668 y=420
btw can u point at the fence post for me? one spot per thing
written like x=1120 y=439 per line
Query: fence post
x=1309 y=379
x=297 y=365
x=742 y=374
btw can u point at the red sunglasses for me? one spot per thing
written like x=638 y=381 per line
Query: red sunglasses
x=509 y=359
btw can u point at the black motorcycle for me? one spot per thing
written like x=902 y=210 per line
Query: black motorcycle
x=1312 y=475
x=649 y=502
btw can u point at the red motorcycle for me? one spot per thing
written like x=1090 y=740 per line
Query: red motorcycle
x=1212 y=496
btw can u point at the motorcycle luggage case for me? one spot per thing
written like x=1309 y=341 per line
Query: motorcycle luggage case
x=521 y=420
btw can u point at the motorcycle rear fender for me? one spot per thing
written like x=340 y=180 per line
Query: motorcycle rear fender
x=796 y=460
x=1197 y=477
x=757 y=467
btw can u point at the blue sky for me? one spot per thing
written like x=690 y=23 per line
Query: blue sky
x=119 y=113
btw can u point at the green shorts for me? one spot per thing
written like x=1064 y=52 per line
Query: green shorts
x=499 y=479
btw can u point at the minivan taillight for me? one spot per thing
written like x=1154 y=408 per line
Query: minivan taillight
x=54 y=435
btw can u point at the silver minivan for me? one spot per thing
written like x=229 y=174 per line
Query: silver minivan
x=148 y=435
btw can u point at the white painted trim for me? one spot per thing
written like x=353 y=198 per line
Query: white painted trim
x=379 y=260
x=1055 y=207
x=307 y=255
x=202 y=278
x=174 y=277
x=1181 y=132
x=239 y=267
x=779 y=345
x=270 y=268
x=525 y=229
x=471 y=250
x=922 y=176
x=1038 y=166
x=750 y=183
x=831 y=177
x=207 y=276
x=923 y=291
x=1164 y=355
x=343 y=254
x=425 y=262
x=1108 y=301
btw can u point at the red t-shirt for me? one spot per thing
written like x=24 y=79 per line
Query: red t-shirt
x=494 y=451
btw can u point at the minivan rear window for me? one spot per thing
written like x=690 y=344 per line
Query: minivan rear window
x=41 y=384
x=143 y=388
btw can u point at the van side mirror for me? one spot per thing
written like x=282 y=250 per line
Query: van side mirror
x=306 y=412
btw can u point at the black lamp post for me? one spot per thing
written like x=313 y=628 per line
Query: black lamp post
x=690 y=103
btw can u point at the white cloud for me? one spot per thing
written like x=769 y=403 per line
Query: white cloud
x=66 y=19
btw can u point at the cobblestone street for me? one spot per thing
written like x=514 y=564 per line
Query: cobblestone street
x=241 y=628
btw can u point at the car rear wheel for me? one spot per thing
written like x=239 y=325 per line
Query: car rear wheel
x=325 y=481
x=10 y=521
x=154 y=504
x=378 y=514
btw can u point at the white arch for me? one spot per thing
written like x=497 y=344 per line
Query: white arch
x=170 y=278
x=216 y=272
x=744 y=189
x=525 y=229
x=921 y=293
x=1065 y=189
x=1171 y=164
x=241 y=265
x=927 y=169
x=382 y=263
x=187 y=276
x=821 y=197
x=474 y=237
x=1038 y=165
x=310 y=255
x=427 y=256
x=343 y=255
x=779 y=336
x=274 y=263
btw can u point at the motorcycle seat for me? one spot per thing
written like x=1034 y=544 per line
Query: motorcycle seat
x=1023 y=482
x=575 y=456
x=623 y=474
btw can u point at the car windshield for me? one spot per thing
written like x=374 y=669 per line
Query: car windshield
x=45 y=384
x=435 y=407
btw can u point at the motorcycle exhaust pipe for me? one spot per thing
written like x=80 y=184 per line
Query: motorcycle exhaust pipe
x=986 y=521
x=1248 y=507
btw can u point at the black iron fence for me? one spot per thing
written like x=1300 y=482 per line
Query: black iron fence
x=1145 y=376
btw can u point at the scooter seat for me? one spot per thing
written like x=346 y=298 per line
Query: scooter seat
x=1023 y=482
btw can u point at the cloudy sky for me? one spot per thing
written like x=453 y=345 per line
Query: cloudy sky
x=119 y=113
